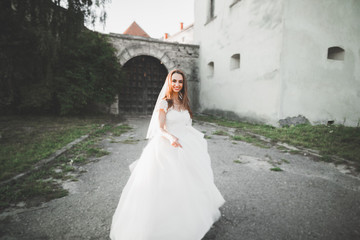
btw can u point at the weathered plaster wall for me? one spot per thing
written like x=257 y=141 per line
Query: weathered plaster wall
x=172 y=55
x=252 y=29
x=314 y=86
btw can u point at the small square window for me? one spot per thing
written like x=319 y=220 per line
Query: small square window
x=336 y=53
x=210 y=69
x=235 y=61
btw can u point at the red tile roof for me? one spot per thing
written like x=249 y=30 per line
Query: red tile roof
x=136 y=30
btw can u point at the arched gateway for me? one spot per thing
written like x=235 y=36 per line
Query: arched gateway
x=144 y=78
x=146 y=62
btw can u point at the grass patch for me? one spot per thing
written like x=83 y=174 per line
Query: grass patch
x=262 y=145
x=32 y=189
x=25 y=141
x=96 y=152
x=39 y=186
x=237 y=161
x=328 y=140
x=285 y=160
x=207 y=137
x=68 y=168
x=276 y=169
x=326 y=158
x=294 y=151
x=250 y=139
x=130 y=141
x=240 y=138
x=282 y=148
x=118 y=130
x=220 y=133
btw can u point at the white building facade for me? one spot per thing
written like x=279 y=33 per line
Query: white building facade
x=264 y=60
x=185 y=35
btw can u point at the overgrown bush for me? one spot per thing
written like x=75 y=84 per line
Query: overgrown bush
x=50 y=63
x=89 y=73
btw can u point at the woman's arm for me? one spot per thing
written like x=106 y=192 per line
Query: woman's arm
x=174 y=141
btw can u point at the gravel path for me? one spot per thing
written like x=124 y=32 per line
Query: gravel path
x=308 y=200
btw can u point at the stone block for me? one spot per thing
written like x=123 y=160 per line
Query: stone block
x=293 y=121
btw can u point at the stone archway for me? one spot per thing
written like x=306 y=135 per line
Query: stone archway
x=145 y=76
x=137 y=50
x=170 y=55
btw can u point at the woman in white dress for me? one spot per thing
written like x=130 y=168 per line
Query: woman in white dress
x=170 y=194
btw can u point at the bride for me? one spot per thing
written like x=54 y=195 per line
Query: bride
x=170 y=194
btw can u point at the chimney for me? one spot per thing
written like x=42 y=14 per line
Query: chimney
x=181 y=26
x=166 y=36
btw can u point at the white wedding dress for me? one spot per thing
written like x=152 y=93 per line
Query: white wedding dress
x=170 y=194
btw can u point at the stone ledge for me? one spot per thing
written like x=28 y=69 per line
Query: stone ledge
x=154 y=40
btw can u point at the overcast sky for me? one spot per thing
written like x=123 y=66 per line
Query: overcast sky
x=155 y=17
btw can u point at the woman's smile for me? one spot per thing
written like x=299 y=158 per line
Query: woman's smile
x=177 y=82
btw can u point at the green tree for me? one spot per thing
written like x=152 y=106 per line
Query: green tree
x=92 y=10
x=47 y=60
x=89 y=73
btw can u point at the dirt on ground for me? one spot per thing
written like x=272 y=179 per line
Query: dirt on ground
x=303 y=199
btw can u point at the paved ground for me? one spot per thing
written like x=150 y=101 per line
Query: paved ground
x=308 y=200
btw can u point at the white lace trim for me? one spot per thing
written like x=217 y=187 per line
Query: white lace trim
x=163 y=105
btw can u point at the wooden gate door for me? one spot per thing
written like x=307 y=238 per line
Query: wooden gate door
x=145 y=77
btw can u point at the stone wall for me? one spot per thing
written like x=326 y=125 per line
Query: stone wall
x=172 y=55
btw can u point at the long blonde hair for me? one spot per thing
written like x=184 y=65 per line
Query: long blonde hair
x=183 y=94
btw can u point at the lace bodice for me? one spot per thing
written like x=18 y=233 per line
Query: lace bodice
x=175 y=120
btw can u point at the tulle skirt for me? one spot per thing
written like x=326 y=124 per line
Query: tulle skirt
x=170 y=194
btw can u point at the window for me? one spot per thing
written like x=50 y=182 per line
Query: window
x=212 y=9
x=210 y=69
x=336 y=53
x=235 y=61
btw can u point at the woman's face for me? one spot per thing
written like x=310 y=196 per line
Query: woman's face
x=177 y=82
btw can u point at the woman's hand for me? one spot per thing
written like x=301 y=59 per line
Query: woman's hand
x=175 y=142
